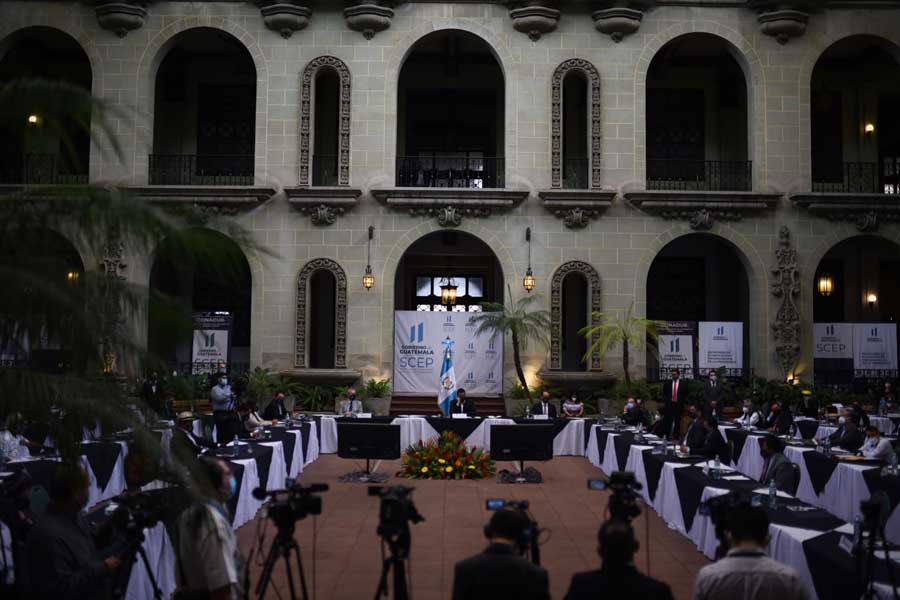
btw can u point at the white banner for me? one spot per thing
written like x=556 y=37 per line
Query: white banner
x=721 y=345
x=676 y=352
x=874 y=346
x=419 y=352
x=210 y=345
x=833 y=340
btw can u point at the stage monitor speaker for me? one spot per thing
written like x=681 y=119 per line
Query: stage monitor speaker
x=522 y=442
x=368 y=440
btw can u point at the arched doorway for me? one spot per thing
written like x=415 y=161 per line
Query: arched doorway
x=698 y=277
x=458 y=257
x=450 y=107
x=697 y=117
x=857 y=281
x=204 y=124
x=45 y=263
x=36 y=150
x=198 y=271
x=854 y=100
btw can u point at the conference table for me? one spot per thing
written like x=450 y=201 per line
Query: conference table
x=569 y=438
x=802 y=535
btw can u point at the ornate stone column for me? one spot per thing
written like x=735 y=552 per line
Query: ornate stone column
x=786 y=285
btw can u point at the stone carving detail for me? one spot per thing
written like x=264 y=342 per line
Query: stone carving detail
x=369 y=17
x=113 y=264
x=306 y=94
x=593 y=281
x=702 y=219
x=285 y=16
x=534 y=17
x=556 y=140
x=340 y=312
x=113 y=259
x=577 y=218
x=782 y=20
x=786 y=285
x=865 y=221
x=122 y=16
x=449 y=216
x=322 y=214
x=618 y=18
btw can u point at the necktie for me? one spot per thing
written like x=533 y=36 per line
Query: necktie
x=675 y=391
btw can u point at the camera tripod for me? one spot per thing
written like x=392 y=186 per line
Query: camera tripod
x=283 y=546
x=866 y=562
x=398 y=554
x=135 y=549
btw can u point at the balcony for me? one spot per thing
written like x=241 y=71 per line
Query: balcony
x=38 y=169
x=325 y=170
x=464 y=171
x=859 y=178
x=190 y=169
x=700 y=175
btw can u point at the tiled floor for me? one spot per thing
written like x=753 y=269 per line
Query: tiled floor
x=348 y=553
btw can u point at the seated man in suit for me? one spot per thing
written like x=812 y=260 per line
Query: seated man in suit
x=617 y=576
x=862 y=417
x=695 y=436
x=501 y=571
x=634 y=413
x=714 y=445
x=838 y=433
x=351 y=406
x=462 y=405
x=877 y=447
x=544 y=406
x=779 y=420
x=275 y=410
x=776 y=466
x=184 y=435
x=850 y=438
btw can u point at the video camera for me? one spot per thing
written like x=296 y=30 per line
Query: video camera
x=292 y=503
x=501 y=503
x=397 y=510
x=132 y=513
x=623 y=504
x=528 y=540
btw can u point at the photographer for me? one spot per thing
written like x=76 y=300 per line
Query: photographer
x=500 y=571
x=746 y=573
x=62 y=560
x=208 y=564
x=617 y=576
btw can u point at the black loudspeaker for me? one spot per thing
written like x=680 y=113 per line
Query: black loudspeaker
x=522 y=442
x=368 y=440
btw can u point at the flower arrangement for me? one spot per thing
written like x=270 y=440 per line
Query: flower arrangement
x=447 y=457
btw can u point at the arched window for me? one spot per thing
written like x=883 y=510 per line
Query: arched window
x=574 y=298
x=575 y=162
x=325 y=116
x=321 y=341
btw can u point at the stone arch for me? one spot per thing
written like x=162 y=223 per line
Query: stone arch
x=815 y=49
x=756 y=269
x=395 y=58
x=148 y=65
x=307 y=81
x=84 y=41
x=556 y=282
x=744 y=52
x=301 y=359
x=556 y=137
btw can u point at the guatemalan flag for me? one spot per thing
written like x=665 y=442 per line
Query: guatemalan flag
x=447 y=392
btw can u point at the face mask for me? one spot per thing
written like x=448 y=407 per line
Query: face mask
x=746 y=410
x=232 y=487
x=629 y=406
x=841 y=420
x=224 y=381
x=872 y=441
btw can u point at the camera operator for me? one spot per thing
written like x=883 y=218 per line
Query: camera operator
x=501 y=571
x=746 y=573
x=62 y=560
x=617 y=576
x=208 y=564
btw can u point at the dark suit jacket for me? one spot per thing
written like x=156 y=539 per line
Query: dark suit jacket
x=678 y=404
x=468 y=407
x=635 y=416
x=782 y=421
x=275 y=411
x=713 y=393
x=186 y=446
x=852 y=440
x=781 y=471
x=499 y=573
x=537 y=409
x=695 y=436
x=627 y=583
x=714 y=445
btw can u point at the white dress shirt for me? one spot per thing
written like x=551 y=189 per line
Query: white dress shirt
x=877 y=448
x=749 y=419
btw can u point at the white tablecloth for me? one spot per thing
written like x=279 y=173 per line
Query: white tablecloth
x=328 y=435
x=277 y=468
x=297 y=457
x=481 y=437
x=161 y=557
x=592 y=451
x=414 y=430
x=570 y=441
x=247 y=505
x=312 y=449
x=884 y=424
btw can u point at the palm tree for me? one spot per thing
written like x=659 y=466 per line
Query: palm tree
x=629 y=330
x=520 y=322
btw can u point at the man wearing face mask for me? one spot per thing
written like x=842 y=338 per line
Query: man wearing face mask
x=223 y=405
x=835 y=438
x=851 y=439
x=61 y=554
x=713 y=395
x=634 y=414
x=876 y=447
x=208 y=563
x=780 y=419
x=776 y=466
x=696 y=434
x=750 y=416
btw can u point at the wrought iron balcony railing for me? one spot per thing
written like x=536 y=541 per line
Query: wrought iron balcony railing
x=859 y=178
x=38 y=169
x=450 y=171
x=190 y=169
x=325 y=169
x=575 y=174
x=700 y=175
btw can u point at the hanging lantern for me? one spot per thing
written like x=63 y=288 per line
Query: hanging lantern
x=528 y=281
x=448 y=291
x=826 y=284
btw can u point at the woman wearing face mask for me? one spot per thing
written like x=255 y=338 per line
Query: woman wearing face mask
x=208 y=563
x=573 y=407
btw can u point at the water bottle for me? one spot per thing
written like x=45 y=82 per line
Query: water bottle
x=893 y=463
x=857 y=531
x=717 y=468
x=234 y=448
x=773 y=495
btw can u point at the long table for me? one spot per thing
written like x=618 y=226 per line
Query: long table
x=802 y=535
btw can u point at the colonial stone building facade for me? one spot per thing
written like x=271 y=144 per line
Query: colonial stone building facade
x=696 y=132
